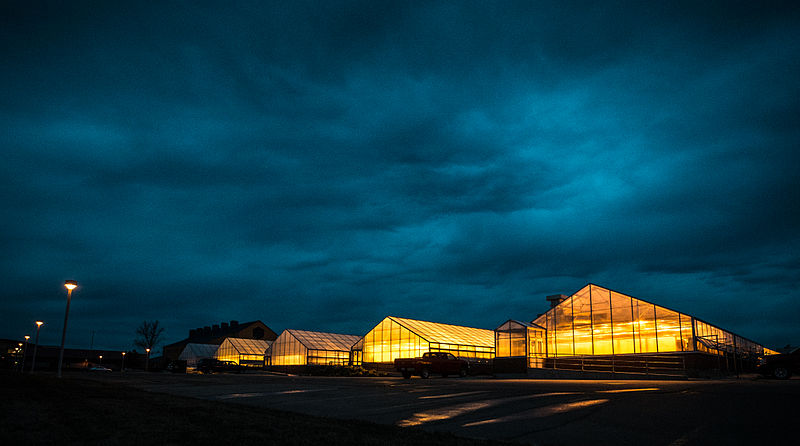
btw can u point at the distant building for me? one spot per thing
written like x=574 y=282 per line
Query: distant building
x=217 y=333
x=74 y=358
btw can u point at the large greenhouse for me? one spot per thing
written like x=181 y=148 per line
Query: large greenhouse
x=603 y=327
x=396 y=337
x=300 y=347
x=246 y=352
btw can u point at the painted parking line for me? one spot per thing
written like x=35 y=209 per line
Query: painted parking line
x=259 y=394
x=452 y=395
x=646 y=389
x=540 y=412
x=447 y=412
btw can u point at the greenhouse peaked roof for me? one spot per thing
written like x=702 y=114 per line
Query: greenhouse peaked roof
x=448 y=334
x=249 y=346
x=314 y=340
x=196 y=351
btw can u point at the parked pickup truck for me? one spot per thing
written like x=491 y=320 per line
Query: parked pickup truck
x=432 y=362
x=781 y=366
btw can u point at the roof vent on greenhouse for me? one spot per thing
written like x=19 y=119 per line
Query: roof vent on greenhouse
x=556 y=299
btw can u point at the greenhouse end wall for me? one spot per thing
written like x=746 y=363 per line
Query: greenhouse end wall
x=246 y=352
x=287 y=350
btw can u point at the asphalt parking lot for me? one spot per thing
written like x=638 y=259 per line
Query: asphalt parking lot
x=568 y=412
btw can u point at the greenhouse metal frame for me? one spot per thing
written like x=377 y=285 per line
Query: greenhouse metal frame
x=396 y=337
x=246 y=352
x=301 y=347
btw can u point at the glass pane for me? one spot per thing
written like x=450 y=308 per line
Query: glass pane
x=622 y=317
x=645 y=327
x=601 y=321
x=668 y=330
x=536 y=349
x=551 y=334
x=563 y=317
x=582 y=317
x=503 y=344
x=517 y=341
x=686 y=332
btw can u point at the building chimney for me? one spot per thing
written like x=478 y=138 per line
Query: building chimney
x=206 y=331
x=214 y=329
x=224 y=326
x=192 y=333
x=556 y=299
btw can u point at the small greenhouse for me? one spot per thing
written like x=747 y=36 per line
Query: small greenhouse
x=193 y=353
x=300 y=347
x=516 y=339
x=246 y=352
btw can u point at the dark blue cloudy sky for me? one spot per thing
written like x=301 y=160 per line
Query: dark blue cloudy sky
x=320 y=165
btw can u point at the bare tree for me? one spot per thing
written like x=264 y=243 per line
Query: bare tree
x=148 y=335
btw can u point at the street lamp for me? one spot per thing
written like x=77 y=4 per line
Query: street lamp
x=122 y=369
x=69 y=285
x=36 y=346
x=101 y=359
x=24 y=351
x=147 y=361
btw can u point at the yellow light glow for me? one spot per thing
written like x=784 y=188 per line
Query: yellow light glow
x=27 y=337
x=39 y=323
x=407 y=338
x=596 y=321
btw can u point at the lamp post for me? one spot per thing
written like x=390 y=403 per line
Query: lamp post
x=147 y=361
x=70 y=285
x=36 y=346
x=101 y=359
x=24 y=351
x=122 y=369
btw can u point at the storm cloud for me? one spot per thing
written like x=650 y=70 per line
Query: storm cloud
x=320 y=166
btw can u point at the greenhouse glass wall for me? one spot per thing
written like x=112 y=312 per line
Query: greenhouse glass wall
x=515 y=339
x=193 y=353
x=396 y=337
x=299 y=347
x=598 y=321
x=246 y=352
x=357 y=352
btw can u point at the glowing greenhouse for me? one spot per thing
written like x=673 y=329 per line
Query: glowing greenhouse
x=246 y=352
x=300 y=347
x=396 y=337
x=603 y=330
